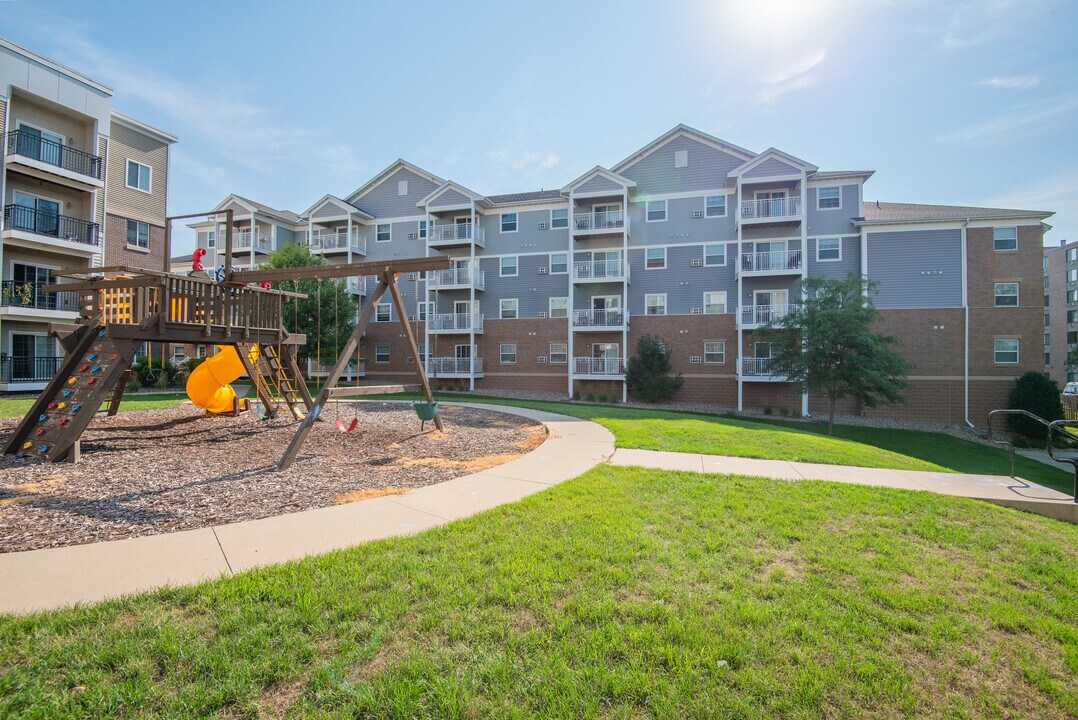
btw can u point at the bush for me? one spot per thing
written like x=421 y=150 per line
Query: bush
x=604 y=398
x=576 y=394
x=133 y=385
x=767 y=409
x=1039 y=394
x=648 y=374
x=590 y=397
x=148 y=371
x=784 y=412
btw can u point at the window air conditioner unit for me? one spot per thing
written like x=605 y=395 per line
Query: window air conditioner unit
x=411 y=318
x=413 y=236
x=544 y=271
x=697 y=311
x=695 y=359
x=541 y=315
x=696 y=263
x=413 y=277
x=542 y=226
x=696 y=214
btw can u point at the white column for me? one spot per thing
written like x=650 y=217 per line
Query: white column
x=740 y=290
x=804 y=259
x=625 y=287
x=471 y=297
x=426 y=294
x=253 y=238
x=569 y=305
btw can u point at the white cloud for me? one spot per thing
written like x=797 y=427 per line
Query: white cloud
x=800 y=75
x=526 y=161
x=1012 y=82
x=975 y=23
x=1019 y=117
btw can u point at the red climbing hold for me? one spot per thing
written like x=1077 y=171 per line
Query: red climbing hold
x=52 y=406
x=39 y=431
x=84 y=368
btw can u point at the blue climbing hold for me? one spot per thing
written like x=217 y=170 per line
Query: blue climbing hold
x=95 y=368
x=75 y=408
x=91 y=357
x=68 y=393
x=44 y=448
x=42 y=417
x=101 y=333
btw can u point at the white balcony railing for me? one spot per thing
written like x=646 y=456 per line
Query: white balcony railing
x=456 y=322
x=356 y=285
x=244 y=240
x=601 y=270
x=756 y=366
x=315 y=369
x=598 y=366
x=442 y=366
x=337 y=242
x=455 y=234
x=458 y=277
x=600 y=318
x=771 y=208
x=771 y=261
x=610 y=220
x=763 y=314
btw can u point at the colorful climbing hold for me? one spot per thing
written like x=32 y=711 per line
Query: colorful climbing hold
x=68 y=393
x=44 y=448
x=72 y=380
x=76 y=407
x=112 y=356
x=96 y=369
x=101 y=333
x=91 y=357
x=61 y=406
x=52 y=406
x=42 y=417
x=65 y=421
x=91 y=381
x=39 y=432
x=84 y=368
x=27 y=445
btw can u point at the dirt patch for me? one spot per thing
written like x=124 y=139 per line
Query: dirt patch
x=277 y=699
x=367 y=494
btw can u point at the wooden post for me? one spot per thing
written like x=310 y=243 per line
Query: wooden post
x=228 y=244
x=420 y=371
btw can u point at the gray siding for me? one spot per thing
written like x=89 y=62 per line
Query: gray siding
x=399 y=246
x=531 y=289
x=329 y=210
x=836 y=269
x=772 y=167
x=286 y=236
x=790 y=283
x=707 y=168
x=599 y=184
x=528 y=237
x=683 y=284
x=824 y=222
x=383 y=201
x=680 y=226
x=449 y=197
x=901 y=261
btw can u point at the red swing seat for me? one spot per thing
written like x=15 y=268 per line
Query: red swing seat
x=341 y=427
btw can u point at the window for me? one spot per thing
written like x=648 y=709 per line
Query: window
x=1005 y=239
x=1072 y=275
x=422 y=229
x=559 y=219
x=828 y=249
x=714 y=352
x=1006 y=294
x=381 y=354
x=656 y=210
x=1046 y=340
x=138 y=176
x=1072 y=298
x=179 y=352
x=508 y=266
x=655 y=304
x=507 y=353
x=559 y=263
x=1072 y=337
x=508 y=309
x=138 y=234
x=383 y=233
x=559 y=307
x=1045 y=282
x=422 y=353
x=715 y=254
x=211 y=238
x=1007 y=351
x=1047 y=360
x=829 y=198
x=1046 y=319
x=509 y=222
x=1072 y=255
x=402 y=187
x=559 y=353
x=715 y=302
x=655 y=259
x=381 y=313
x=1072 y=316
x=200 y=351
x=424 y=309
x=715 y=206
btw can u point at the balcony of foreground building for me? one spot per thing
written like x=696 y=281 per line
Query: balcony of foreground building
x=758 y=370
x=26 y=301
x=604 y=368
x=754 y=316
x=450 y=323
x=27 y=150
x=454 y=367
x=50 y=230
x=600 y=320
x=770 y=211
x=598 y=223
x=772 y=262
x=457 y=278
x=600 y=271
x=332 y=243
x=455 y=235
x=27 y=373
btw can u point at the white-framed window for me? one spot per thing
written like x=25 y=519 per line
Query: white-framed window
x=1005 y=239
x=382 y=312
x=1072 y=275
x=1072 y=255
x=656 y=210
x=179 y=352
x=828 y=249
x=655 y=258
x=1006 y=294
x=715 y=206
x=714 y=254
x=509 y=222
x=138 y=234
x=211 y=239
x=507 y=353
x=1072 y=317
x=424 y=309
x=383 y=233
x=381 y=354
x=559 y=307
x=507 y=309
x=1006 y=351
x=559 y=263
x=715 y=302
x=402 y=187
x=422 y=230
x=138 y=176
x=559 y=353
x=200 y=351
x=714 y=352
x=508 y=266
x=829 y=198
x=559 y=219
x=655 y=304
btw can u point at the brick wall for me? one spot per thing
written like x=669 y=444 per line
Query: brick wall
x=118 y=252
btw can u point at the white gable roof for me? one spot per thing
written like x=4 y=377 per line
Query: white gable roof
x=683 y=131
x=603 y=172
x=346 y=207
x=778 y=155
x=450 y=185
x=394 y=167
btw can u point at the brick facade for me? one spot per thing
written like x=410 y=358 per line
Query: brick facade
x=118 y=252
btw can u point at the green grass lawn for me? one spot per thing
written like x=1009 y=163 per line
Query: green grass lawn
x=17 y=407
x=624 y=593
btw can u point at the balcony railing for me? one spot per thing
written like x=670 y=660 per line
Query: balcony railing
x=600 y=318
x=456 y=322
x=244 y=240
x=333 y=242
x=29 y=295
x=610 y=220
x=771 y=261
x=598 y=366
x=763 y=314
x=356 y=285
x=760 y=367
x=318 y=369
x=771 y=208
x=458 y=277
x=601 y=270
x=454 y=366
x=456 y=234
x=28 y=219
x=31 y=145
x=28 y=369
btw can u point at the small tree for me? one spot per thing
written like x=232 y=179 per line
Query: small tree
x=827 y=345
x=1039 y=394
x=648 y=374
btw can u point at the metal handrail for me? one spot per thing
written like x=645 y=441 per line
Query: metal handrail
x=1049 y=446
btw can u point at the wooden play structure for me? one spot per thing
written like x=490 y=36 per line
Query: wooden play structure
x=122 y=307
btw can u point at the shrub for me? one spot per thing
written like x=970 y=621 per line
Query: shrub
x=133 y=385
x=576 y=394
x=767 y=409
x=784 y=412
x=604 y=398
x=162 y=382
x=147 y=370
x=1039 y=394
x=648 y=374
x=590 y=397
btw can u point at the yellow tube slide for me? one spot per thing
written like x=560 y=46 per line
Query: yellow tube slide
x=208 y=386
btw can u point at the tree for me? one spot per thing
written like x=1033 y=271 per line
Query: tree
x=338 y=307
x=1039 y=394
x=827 y=345
x=648 y=374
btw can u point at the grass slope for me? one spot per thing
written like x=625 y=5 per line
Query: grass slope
x=18 y=407
x=624 y=593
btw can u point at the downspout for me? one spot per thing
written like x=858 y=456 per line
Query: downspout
x=965 y=308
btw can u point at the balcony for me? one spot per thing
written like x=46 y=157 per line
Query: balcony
x=759 y=369
x=34 y=151
x=772 y=262
x=25 y=298
x=244 y=241
x=600 y=320
x=315 y=369
x=756 y=315
x=356 y=285
x=451 y=367
x=458 y=278
x=770 y=210
x=28 y=369
x=56 y=230
x=599 y=271
x=455 y=235
x=327 y=243
x=599 y=368
x=597 y=223
x=448 y=323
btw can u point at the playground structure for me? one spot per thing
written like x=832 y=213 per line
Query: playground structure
x=123 y=307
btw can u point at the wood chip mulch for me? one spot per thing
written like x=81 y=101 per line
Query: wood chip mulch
x=159 y=471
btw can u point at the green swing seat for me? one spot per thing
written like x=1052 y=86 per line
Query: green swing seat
x=426 y=410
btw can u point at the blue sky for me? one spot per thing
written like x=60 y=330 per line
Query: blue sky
x=964 y=103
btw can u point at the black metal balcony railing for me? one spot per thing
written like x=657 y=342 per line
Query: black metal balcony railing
x=28 y=219
x=31 y=145
x=28 y=295
x=28 y=369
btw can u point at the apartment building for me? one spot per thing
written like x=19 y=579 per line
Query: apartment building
x=699 y=242
x=83 y=186
x=1060 y=310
